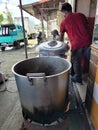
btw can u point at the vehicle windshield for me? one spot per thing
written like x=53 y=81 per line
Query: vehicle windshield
x=12 y=28
x=6 y=29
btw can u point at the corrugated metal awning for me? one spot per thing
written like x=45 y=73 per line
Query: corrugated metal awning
x=49 y=8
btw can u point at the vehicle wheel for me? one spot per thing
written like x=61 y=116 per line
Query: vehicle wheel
x=3 y=48
x=17 y=44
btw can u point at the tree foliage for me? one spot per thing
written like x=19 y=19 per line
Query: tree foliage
x=1 y=18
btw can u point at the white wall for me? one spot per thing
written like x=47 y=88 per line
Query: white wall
x=83 y=6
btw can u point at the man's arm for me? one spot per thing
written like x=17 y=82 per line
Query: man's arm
x=61 y=37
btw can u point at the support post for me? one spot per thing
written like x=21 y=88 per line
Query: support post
x=42 y=21
x=25 y=39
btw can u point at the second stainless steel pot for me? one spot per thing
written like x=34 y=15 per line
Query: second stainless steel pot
x=52 y=48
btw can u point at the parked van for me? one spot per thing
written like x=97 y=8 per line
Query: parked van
x=11 y=35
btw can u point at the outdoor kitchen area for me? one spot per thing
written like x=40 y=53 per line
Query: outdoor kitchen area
x=42 y=96
x=36 y=87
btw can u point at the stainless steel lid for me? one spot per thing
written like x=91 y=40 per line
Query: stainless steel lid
x=55 y=46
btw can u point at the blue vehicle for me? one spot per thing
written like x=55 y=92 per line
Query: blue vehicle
x=11 y=35
x=95 y=32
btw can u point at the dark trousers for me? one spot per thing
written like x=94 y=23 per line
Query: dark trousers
x=76 y=58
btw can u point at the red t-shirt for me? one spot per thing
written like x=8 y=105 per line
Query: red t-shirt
x=77 y=29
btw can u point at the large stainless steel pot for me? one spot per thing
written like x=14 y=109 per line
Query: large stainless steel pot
x=42 y=84
x=52 y=48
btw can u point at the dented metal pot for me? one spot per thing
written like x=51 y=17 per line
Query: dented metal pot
x=42 y=85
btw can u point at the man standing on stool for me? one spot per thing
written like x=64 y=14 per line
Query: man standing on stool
x=77 y=28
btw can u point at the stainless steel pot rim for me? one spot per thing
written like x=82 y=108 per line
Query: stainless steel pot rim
x=59 y=45
x=44 y=46
x=54 y=75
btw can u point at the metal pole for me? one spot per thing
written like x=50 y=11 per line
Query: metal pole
x=42 y=22
x=25 y=39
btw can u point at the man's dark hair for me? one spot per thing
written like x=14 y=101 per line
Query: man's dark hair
x=66 y=7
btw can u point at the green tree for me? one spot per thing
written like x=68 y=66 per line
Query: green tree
x=1 y=18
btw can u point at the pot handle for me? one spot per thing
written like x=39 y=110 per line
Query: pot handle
x=33 y=75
